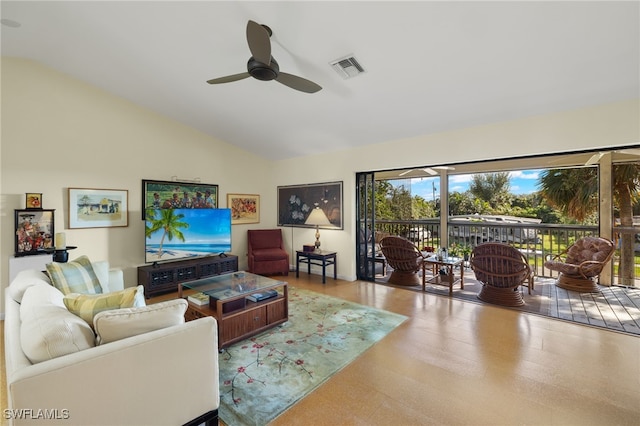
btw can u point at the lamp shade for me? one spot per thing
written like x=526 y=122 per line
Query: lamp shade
x=317 y=218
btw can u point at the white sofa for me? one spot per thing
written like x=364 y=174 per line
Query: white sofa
x=168 y=376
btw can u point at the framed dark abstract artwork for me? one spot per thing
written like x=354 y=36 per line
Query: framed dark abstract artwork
x=295 y=203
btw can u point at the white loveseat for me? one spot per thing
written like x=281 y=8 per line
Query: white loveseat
x=168 y=376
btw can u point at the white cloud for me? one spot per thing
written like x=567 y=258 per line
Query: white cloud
x=525 y=174
x=460 y=179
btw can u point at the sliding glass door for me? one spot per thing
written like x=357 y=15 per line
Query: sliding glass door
x=365 y=214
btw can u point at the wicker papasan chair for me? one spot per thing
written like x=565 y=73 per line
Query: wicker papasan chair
x=581 y=263
x=501 y=269
x=405 y=259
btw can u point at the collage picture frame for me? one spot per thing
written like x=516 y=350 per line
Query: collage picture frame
x=34 y=231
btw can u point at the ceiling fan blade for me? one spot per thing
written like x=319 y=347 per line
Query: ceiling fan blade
x=259 y=43
x=630 y=151
x=406 y=172
x=298 y=83
x=229 y=78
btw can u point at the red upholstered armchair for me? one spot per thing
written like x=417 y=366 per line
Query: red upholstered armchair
x=267 y=255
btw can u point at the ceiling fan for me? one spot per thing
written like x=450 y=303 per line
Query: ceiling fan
x=429 y=170
x=595 y=158
x=263 y=66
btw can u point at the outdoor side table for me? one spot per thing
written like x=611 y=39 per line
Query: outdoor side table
x=320 y=258
x=449 y=263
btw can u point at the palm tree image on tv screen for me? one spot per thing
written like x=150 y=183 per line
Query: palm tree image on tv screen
x=172 y=234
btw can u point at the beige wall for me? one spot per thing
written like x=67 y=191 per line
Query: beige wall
x=58 y=132
x=607 y=125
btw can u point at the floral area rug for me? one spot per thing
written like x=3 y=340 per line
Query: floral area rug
x=263 y=376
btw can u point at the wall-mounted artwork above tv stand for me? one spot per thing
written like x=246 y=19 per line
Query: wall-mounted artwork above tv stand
x=164 y=277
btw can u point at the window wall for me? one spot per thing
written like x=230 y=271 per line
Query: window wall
x=541 y=204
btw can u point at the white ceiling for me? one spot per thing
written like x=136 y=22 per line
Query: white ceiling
x=430 y=66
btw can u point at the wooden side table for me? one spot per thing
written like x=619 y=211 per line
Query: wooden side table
x=320 y=258
x=449 y=279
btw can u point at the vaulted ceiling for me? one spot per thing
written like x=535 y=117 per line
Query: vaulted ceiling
x=429 y=66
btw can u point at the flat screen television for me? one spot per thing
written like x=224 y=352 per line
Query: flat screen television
x=173 y=234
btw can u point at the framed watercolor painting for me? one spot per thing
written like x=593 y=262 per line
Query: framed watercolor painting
x=158 y=194
x=296 y=201
x=34 y=231
x=98 y=208
x=245 y=208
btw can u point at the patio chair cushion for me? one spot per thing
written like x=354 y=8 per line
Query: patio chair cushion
x=585 y=258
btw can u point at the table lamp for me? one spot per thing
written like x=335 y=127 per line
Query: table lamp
x=317 y=218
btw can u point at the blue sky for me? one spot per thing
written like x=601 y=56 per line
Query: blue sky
x=521 y=182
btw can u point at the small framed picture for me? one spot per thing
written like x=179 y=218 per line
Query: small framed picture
x=34 y=231
x=33 y=201
x=245 y=208
x=98 y=208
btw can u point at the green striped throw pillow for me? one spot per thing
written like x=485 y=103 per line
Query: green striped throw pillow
x=86 y=306
x=77 y=276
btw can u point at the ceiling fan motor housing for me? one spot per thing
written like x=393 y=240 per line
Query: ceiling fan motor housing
x=262 y=71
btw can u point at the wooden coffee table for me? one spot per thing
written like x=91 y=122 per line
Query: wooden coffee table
x=237 y=316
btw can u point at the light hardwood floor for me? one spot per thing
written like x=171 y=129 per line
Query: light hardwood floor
x=455 y=362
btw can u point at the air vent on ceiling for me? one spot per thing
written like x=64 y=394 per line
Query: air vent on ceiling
x=347 y=67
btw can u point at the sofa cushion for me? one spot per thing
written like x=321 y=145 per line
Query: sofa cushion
x=86 y=306
x=48 y=329
x=121 y=323
x=101 y=268
x=24 y=280
x=77 y=276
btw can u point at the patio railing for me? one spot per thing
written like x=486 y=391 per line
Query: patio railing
x=538 y=242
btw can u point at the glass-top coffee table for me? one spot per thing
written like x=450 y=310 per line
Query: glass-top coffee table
x=448 y=278
x=243 y=303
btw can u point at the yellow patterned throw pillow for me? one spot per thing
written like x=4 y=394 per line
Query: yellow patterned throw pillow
x=74 y=277
x=86 y=306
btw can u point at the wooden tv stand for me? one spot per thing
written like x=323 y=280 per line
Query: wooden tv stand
x=164 y=277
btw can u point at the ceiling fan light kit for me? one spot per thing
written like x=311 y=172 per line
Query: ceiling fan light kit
x=262 y=66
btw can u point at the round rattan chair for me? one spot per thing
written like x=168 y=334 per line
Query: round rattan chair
x=501 y=269
x=581 y=263
x=405 y=259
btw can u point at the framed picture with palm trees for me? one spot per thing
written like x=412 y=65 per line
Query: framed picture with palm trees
x=98 y=208
x=158 y=194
